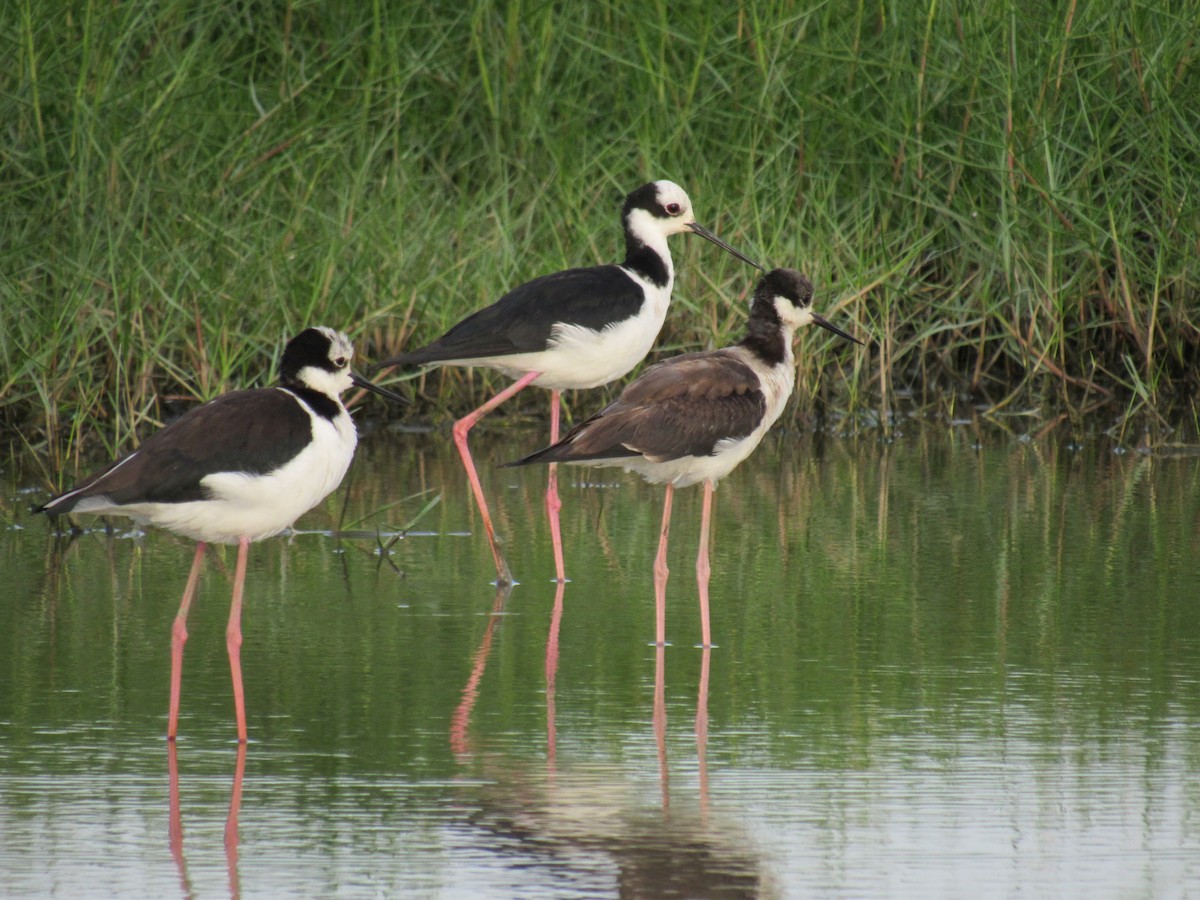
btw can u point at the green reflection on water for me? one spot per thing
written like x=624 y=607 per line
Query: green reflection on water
x=878 y=609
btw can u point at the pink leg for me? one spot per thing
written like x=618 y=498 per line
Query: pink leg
x=702 y=568
x=661 y=572
x=461 y=428
x=233 y=637
x=553 y=504
x=179 y=638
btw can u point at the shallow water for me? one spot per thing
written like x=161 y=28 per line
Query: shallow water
x=950 y=664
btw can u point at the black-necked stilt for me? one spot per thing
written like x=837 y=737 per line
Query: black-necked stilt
x=580 y=328
x=240 y=468
x=694 y=417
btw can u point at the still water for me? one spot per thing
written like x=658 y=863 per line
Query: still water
x=950 y=664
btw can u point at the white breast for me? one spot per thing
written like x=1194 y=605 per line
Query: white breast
x=580 y=357
x=258 y=506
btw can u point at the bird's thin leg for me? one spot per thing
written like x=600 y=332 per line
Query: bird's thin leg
x=179 y=637
x=553 y=503
x=233 y=636
x=703 y=570
x=661 y=572
x=461 y=428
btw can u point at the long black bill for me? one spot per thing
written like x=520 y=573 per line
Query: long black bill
x=708 y=235
x=829 y=326
x=371 y=386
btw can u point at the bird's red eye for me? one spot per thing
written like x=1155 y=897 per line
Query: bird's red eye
x=340 y=362
x=674 y=209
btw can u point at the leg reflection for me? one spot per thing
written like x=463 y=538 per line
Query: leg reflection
x=551 y=677
x=175 y=822
x=460 y=720
x=231 y=824
x=660 y=722
x=702 y=732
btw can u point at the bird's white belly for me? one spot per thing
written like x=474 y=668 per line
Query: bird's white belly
x=579 y=357
x=688 y=470
x=259 y=506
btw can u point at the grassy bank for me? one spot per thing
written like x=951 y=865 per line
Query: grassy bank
x=1003 y=196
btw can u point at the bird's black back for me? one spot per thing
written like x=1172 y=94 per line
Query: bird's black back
x=253 y=431
x=522 y=320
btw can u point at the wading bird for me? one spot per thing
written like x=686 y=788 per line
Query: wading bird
x=579 y=328
x=694 y=417
x=240 y=468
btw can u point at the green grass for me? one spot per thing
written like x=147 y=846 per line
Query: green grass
x=1003 y=197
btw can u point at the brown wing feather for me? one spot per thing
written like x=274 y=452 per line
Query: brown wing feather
x=680 y=407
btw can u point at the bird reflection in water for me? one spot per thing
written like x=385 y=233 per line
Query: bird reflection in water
x=552 y=679
x=702 y=731
x=588 y=823
x=460 y=721
x=175 y=823
x=660 y=727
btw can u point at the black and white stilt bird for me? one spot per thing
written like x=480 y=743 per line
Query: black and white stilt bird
x=579 y=328
x=694 y=417
x=237 y=469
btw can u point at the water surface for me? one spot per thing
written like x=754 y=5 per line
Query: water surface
x=952 y=663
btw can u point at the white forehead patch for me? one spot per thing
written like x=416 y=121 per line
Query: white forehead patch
x=669 y=192
x=339 y=344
